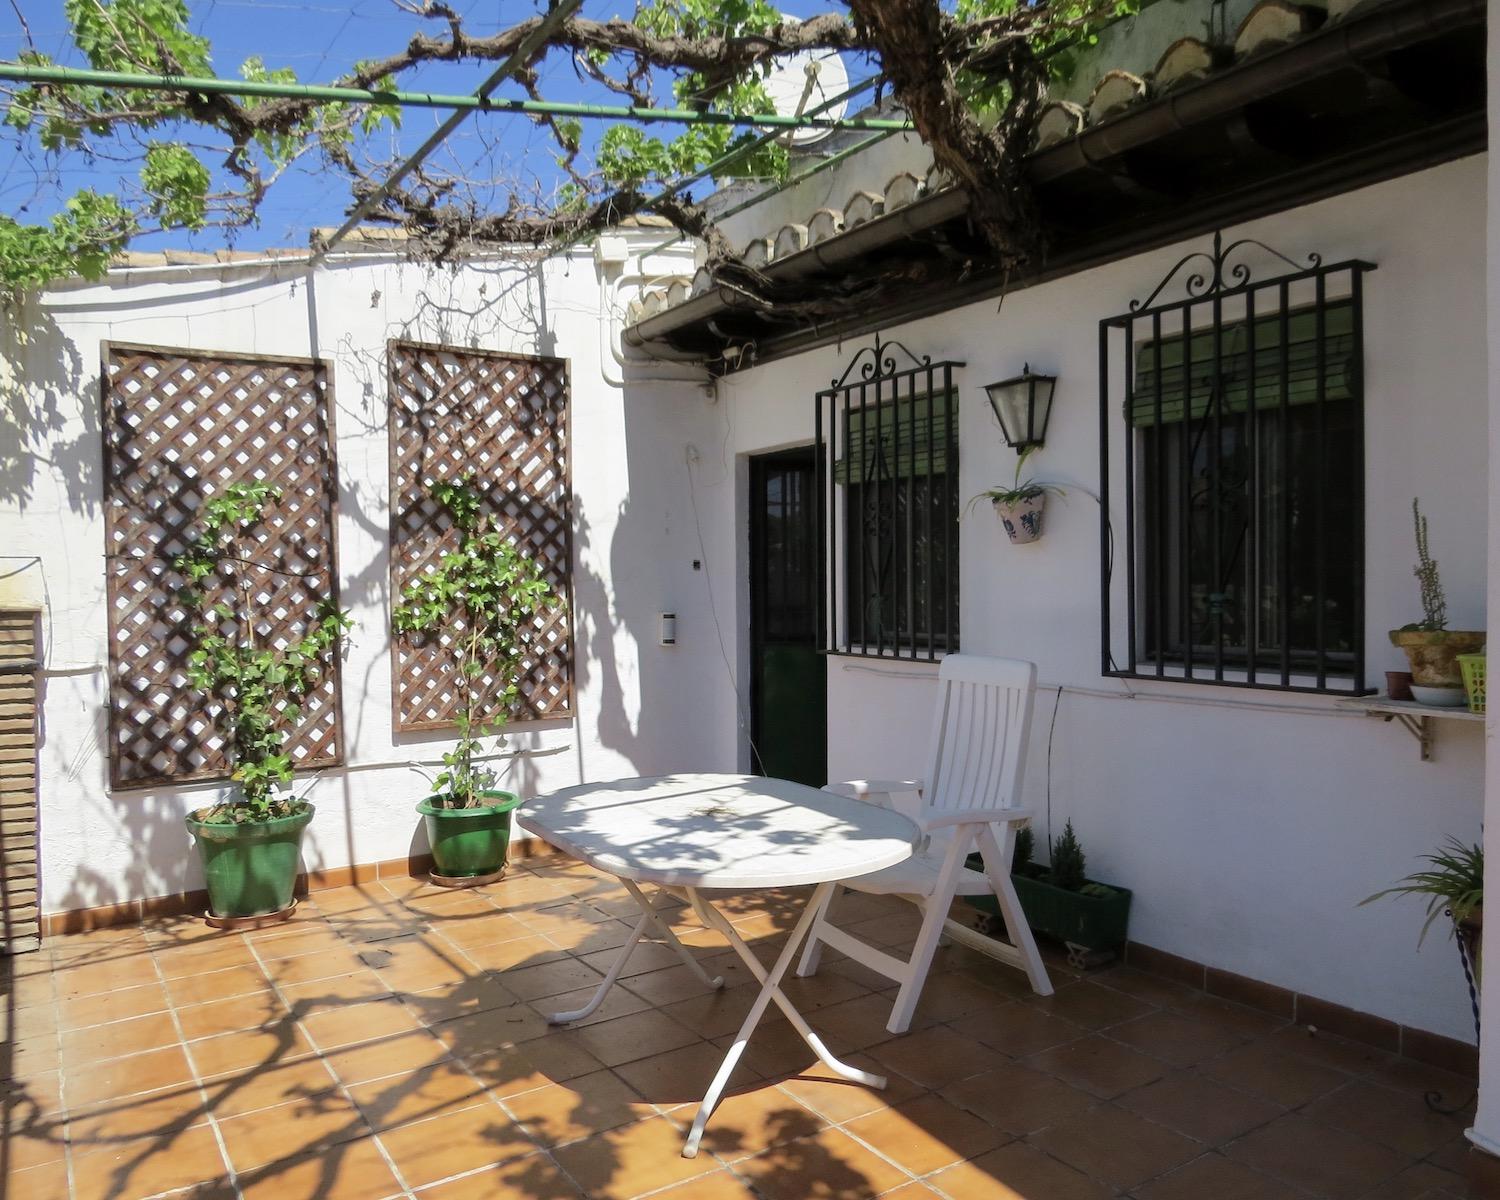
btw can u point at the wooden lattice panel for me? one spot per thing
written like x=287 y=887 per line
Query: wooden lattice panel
x=179 y=427
x=20 y=919
x=503 y=417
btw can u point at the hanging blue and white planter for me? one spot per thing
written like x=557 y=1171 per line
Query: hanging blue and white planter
x=1022 y=518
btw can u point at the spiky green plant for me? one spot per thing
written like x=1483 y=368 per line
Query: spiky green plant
x=1453 y=883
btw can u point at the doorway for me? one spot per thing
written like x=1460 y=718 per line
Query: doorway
x=788 y=675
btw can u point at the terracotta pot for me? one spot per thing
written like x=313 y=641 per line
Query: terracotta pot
x=1022 y=518
x=1433 y=653
x=1398 y=685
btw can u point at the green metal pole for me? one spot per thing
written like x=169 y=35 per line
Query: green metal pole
x=724 y=161
x=559 y=13
x=79 y=76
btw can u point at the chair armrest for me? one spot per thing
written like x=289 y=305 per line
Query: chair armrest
x=867 y=789
x=940 y=818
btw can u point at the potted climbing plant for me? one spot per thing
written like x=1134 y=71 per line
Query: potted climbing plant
x=485 y=596
x=250 y=843
x=1060 y=900
x=1431 y=647
x=1020 y=505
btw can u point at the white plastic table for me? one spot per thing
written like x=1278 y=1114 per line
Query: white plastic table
x=689 y=834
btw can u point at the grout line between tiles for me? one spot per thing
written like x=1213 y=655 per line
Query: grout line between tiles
x=339 y=1085
x=213 y=1122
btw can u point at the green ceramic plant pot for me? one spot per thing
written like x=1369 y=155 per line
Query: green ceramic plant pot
x=469 y=841
x=250 y=869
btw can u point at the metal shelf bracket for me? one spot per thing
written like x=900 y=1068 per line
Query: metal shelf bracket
x=1419 y=727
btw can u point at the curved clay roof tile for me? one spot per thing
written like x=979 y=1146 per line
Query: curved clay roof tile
x=758 y=252
x=1116 y=91
x=1269 y=24
x=902 y=189
x=1185 y=60
x=790 y=239
x=862 y=207
x=824 y=224
x=1059 y=121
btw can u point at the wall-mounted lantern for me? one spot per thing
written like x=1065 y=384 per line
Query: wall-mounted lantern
x=1022 y=406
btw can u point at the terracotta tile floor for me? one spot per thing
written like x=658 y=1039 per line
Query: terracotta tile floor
x=390 y=1042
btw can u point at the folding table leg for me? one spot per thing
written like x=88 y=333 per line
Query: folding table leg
x=664 y=932
x=770 y=990
x=650 y=919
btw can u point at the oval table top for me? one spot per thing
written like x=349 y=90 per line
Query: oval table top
x=720 y=831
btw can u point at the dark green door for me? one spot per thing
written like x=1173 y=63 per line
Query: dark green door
x=789 y=681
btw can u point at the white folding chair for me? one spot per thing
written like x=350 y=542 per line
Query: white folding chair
x=968 y=799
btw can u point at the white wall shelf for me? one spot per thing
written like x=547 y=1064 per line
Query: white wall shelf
x=1416 y=718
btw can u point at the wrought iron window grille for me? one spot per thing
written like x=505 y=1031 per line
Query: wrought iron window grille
x=886 y=432
x=1232 y=438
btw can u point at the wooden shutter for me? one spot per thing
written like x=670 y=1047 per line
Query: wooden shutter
x=896 y=441
x=1164 y=367
x=20 y=911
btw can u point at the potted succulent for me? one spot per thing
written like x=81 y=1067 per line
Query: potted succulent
x=1021 y=505
x=251 y=842
x=1453 y=884
x=1060 y=900
x=484 y=595
x=1431 y=647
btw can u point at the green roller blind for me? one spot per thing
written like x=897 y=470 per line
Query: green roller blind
x=1191 y=377
x=897 y=440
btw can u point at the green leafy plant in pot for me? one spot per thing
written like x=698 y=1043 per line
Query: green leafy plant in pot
x=1453 y=885
x=251 y=842
x=1431 y=647
x=479 y=604
x=1021 y=505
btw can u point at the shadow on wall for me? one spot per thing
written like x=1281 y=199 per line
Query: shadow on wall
x=41 y=376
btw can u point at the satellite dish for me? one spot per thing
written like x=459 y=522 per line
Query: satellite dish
x=803 y=83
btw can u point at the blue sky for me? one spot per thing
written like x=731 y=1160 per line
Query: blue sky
x=319 y=40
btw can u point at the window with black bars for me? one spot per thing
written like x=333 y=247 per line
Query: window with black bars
x=887 y=486
x=1232 y=458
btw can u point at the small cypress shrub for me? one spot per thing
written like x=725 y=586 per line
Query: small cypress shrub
x=1068 y=861
x=1020 y=859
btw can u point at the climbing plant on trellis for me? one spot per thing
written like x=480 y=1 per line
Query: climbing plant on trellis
x=179 y=426
x=502 y=418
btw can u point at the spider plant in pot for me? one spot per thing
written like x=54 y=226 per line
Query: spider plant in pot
x=479 y=606
x=250 y=842
x=1453 y=884
x=1431 y=647
x=1021 y=505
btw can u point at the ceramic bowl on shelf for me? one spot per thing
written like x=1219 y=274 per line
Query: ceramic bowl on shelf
x=1439 y=697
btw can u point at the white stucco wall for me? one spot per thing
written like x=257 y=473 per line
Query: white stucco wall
x=634 y=540
x=1249 y=824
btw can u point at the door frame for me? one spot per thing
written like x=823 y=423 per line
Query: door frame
x=805 y=453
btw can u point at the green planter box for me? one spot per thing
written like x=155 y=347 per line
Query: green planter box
x=1094 y=922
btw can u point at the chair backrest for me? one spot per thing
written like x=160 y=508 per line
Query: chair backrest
x=979 y=732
